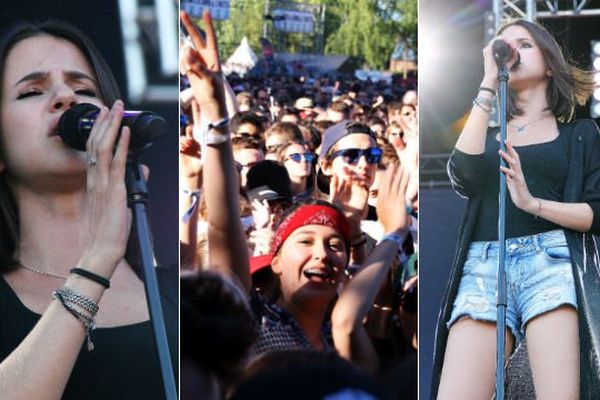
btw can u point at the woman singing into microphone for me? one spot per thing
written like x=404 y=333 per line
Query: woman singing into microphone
x=64 y=228
x=552 y=264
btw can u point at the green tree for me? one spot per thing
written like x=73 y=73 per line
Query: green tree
x=246 y=19
x=367 y=29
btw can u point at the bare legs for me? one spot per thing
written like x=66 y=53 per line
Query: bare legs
x=470 y=361
x=553 y=344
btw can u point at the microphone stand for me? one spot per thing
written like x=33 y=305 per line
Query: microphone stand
x=502 y=300
x=137 y=198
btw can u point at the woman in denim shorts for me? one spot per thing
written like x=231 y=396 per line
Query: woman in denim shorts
x=553 y=177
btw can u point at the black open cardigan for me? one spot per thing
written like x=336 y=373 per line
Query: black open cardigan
x=582 y=185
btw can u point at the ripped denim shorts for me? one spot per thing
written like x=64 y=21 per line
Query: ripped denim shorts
x=539 y=279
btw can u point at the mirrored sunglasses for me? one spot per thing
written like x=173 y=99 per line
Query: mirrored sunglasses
x=297 y=157
x=352 y=156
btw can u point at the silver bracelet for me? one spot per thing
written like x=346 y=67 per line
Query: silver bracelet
x=76 y=298
x=87 y=320
x=483 y=103
x=539 y=210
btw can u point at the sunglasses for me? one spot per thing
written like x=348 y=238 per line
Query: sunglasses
x=352 y=156
x=297 y=157
x=248 y=135
x=272 y=148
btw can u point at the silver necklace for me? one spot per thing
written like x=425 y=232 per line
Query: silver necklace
x=521 y=129
x=37 y=271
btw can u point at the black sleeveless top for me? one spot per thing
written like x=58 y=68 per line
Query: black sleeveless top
x=544 y=166
x=124 y=362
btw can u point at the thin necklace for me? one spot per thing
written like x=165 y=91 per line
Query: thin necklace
x=37 y=271
x=521 y=129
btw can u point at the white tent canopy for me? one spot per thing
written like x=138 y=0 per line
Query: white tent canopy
x=242 y=59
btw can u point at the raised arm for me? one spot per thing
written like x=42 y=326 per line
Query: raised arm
x=190 y=186
x=472 y=137
x=355 y=301
x=228 y=250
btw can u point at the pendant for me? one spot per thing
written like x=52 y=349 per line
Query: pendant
x=520 y=129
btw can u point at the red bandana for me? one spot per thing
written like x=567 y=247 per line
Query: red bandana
x=313 y=214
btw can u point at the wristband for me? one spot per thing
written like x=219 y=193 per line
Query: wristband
x=487 y=89
x=195 y=195
x=203 y=135
x=397 y=238
x=91 y=276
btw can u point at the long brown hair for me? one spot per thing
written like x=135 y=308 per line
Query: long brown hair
x=108 y=94
x=569 y=85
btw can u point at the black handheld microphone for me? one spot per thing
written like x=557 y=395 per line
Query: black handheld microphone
x=503 y=53
x=76 y=123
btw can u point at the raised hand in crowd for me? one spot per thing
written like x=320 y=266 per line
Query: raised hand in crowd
x=351 y=196
x=228 y=248
x=358 y=295
x=190 y=182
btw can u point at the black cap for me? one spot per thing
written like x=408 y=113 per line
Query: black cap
x=268 y=180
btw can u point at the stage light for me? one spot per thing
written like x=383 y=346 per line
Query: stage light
x=596 y=111
x=596 y=63
x=596 y=47
x=597 y=94
x=597 y=78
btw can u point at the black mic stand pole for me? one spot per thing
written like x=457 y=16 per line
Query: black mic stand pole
x=501 y=305
x=137 y=198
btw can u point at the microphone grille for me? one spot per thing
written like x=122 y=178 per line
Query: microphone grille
x=69 y=127
x=501 y=50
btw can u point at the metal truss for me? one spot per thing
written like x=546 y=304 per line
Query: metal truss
x=432 y=170
x=533 y=10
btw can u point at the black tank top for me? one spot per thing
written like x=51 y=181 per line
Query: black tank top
x=545 y=169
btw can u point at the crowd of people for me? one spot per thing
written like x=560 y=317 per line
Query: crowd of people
x=298 y=237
